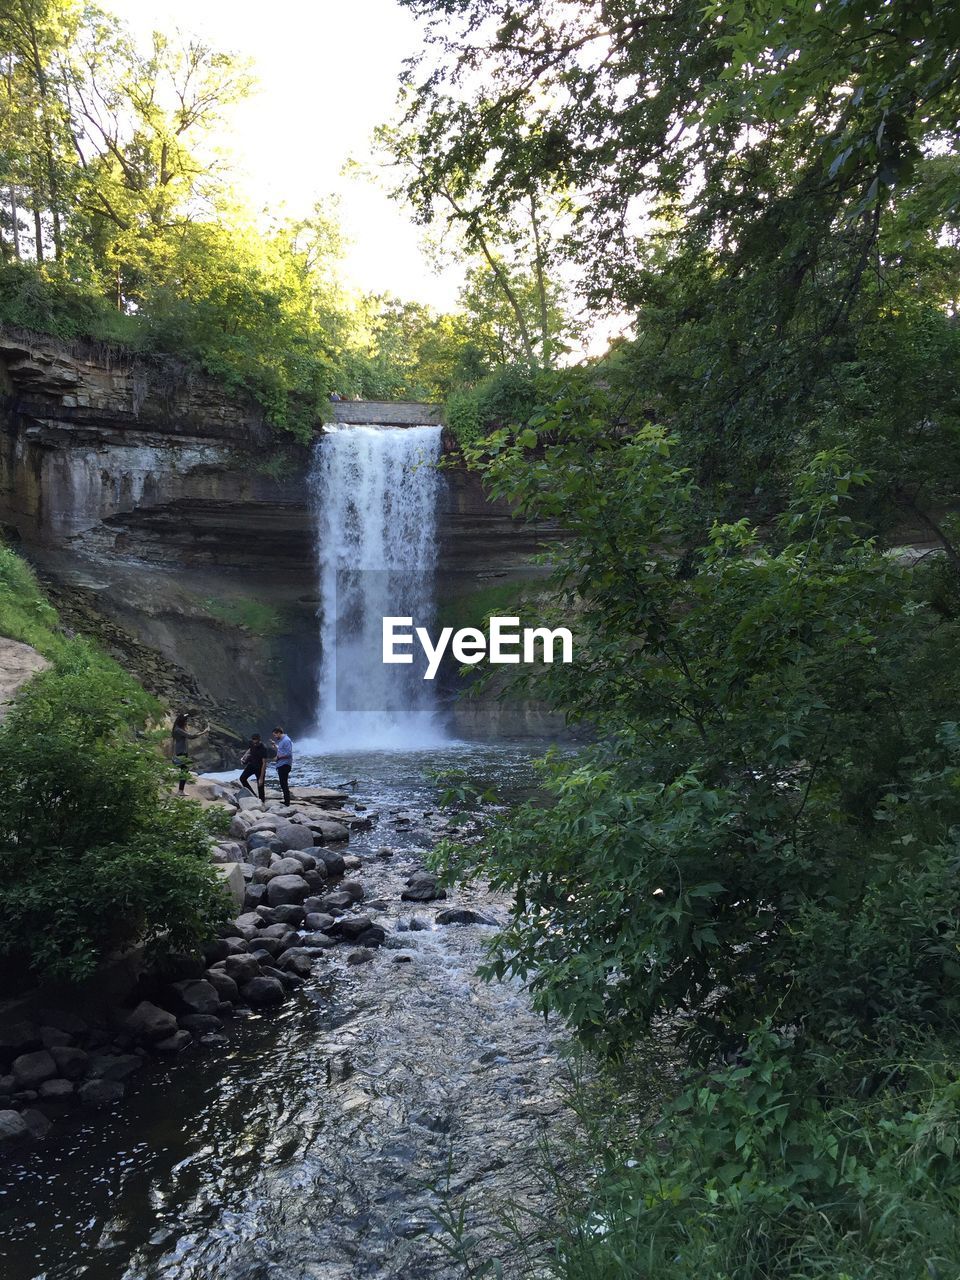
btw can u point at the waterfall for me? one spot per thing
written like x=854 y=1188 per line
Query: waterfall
x=375 y=499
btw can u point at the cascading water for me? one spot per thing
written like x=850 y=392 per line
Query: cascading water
x=375 y=496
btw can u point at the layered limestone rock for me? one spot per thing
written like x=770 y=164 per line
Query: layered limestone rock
x=170 y=521
x=152 y=498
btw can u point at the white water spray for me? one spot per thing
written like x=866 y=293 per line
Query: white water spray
x=375 y=497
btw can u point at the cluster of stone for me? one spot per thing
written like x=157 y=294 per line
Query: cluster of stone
x=297 y=899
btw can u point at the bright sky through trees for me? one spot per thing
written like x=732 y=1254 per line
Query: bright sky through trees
x=326 y=76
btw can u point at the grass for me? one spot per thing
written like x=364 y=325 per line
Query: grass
x=473 y=608
x=246 y=612
x=27 y=616
x=25 y=613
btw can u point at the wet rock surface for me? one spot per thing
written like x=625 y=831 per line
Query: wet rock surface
x=323 y=1132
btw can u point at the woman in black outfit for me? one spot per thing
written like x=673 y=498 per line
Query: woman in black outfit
x=255 y=765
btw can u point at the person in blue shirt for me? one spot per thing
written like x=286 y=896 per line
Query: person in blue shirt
x=284 y=761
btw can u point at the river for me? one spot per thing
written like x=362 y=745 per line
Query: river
x=329 y=1140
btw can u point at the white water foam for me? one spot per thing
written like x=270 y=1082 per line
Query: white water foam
x=375 y=500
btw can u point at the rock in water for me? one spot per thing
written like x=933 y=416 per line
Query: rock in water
x=149 y=1022
x=461 y=915
x=31 y=1069
x=263 y=991
x=197 y=996
x=14 y=1130
x=100 y=1093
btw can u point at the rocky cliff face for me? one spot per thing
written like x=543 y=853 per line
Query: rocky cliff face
x=168 y=517
x=166 y=507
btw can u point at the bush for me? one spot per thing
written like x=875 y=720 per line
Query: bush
x=94 y=856
x=753 y=1173
x=506 y=397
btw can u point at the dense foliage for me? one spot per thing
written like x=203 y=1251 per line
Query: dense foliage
x=118 y=221
x=94 y=853
x=759 y=857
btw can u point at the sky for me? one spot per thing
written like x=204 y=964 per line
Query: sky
x=327 y=76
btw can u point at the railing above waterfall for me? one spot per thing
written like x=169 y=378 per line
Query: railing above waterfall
x=386 y=413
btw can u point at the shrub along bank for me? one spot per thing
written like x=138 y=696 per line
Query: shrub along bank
x=761 y=857
x=94 y=854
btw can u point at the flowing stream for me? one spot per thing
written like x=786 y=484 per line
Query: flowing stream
x=375 y=499
x=328 y=1140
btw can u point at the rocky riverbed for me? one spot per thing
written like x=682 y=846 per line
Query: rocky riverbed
x=331 y=1130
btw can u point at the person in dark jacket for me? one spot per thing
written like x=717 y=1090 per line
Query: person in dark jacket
x=254 y=764
x=181 y=737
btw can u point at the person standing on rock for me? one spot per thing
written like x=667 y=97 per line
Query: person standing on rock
x=254 y=764
x=284 y=761
x=181 y=736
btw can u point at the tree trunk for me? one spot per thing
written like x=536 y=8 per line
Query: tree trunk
x=15 y=221
x=38 y=230
x=545 y=344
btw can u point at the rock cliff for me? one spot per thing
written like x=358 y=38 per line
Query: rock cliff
x=168 y=519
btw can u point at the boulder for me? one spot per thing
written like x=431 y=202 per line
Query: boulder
x=215 y=949
x=71 y=1063
x=260 y=856
x=282 y=932
x=307 y=861
x=255 y=895
x=318 y=941
x=199 y=1023
x=250 y=921
x=198 y=995
x=38 y=1124
x=57 y=1090
x=290 y=913
x=354 y=890
x=247 y=802
x=294 y=835
x=297 y=960
x=258 y=840
x=360 y=956
x=114 y=1066
x=14 y=1131
x=175 y=1043
x=350 y=927
x=286 y=888
x=100 y=1093
x=242 y=969
x=285 y=866
x=263 y=991
x=268 y=947
x=223 y=984
x=352 y=862
x=31 y=1069
x=333 y=862
x=239 y=826
x=422 y=888
x=461 y=915
x=328 y=832
x=317 y=921
x=384 y=853
x=336 y=901
x=372 y=937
